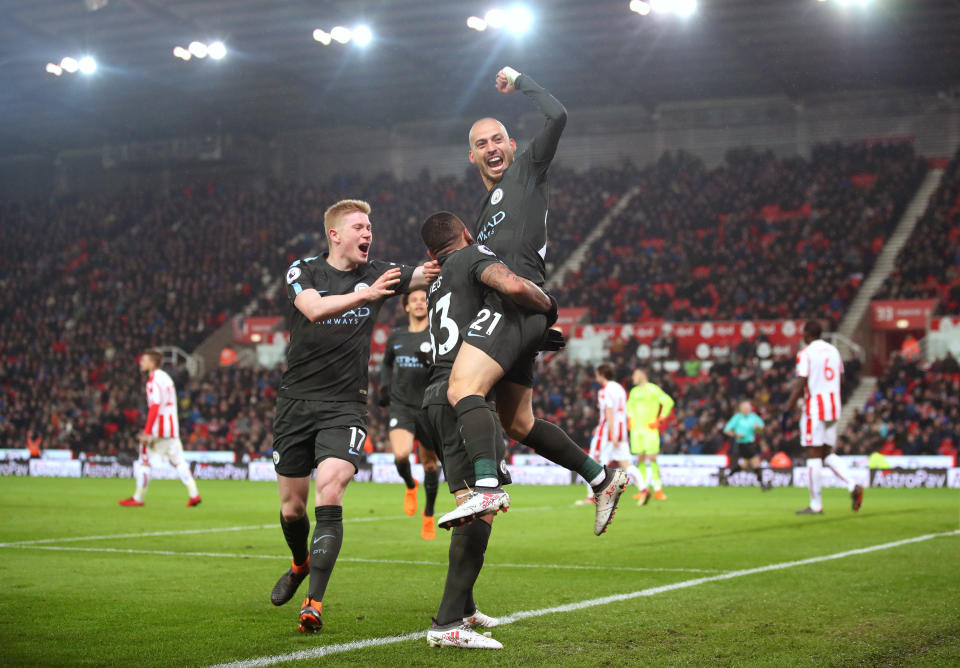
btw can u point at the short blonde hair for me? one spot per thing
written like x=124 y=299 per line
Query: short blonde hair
x=336 y=213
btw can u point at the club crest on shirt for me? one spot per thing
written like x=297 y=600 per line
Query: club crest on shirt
x=293 y=274
x=360 y=286
x=425 y=347
x=496 y=196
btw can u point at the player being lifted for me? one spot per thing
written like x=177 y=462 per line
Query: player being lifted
x=647 y=406
x=160 y=438
x=321 y=418
x=819 y=367
x=403 y=379
x=468 y=272
x=502 y=341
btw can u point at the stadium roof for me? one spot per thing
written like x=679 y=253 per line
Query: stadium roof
x=425 y=63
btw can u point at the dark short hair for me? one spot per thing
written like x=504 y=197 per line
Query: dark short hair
x=154 y=355
x=813 y=328
x=606 y=370
x=406 y=296
x=441 y=230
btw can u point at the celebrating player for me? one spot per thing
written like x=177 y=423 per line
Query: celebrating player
x=321 y=419
x=503 y=339
x=160 y=438
x=403 y=378
x=743 y=427
x=467 y=272
x=819 y=367
x=647 y=406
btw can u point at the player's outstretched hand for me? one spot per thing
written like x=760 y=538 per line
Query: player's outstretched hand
x=382 y=287
x=506 y=79
x=552 y=340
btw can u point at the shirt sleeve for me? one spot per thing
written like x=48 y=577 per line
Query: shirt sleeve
x=757 y=420
x=544 y=145
x=803 y=364
x=731 y=424
x=481 y=257
x=299 y=278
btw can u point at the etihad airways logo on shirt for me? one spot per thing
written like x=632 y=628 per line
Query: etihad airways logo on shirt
x=490 y=226
x=352 y=317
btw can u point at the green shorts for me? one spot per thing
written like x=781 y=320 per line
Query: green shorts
x=645 y=442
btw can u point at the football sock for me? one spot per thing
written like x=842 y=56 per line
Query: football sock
x=183 y=470
x=552 y=443
x=142 y=481
x=327 y=539
x=296 y=533
x=815 y=473
x=467 y=546
x=840 y=470
x=431 y=483
x=637 y=476
x=479 y=428
x=403 y=468
x=655 y=474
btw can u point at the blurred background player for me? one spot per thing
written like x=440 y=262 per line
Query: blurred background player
x=502 y=349
x=743 y=428
x=403 y=378
x=321 y=419
x=819 y=367
x=160 y=438
x=468 y=272
x=610 y=441
x=647 y=406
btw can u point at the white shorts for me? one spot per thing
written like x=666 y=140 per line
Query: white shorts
x=614 y=452
x=815 y=432
x=158 y=449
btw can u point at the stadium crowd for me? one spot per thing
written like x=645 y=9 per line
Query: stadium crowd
x=915 y=410
x=89 y=283
x=928 y=265
x=758 y=237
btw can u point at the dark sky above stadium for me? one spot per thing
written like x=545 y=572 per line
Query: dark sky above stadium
x=424 y=62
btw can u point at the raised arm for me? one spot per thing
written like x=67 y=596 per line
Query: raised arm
x=544 y=145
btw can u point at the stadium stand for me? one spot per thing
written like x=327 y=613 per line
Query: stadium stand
x=928 y=266
x=714 y=244
x=913 y=411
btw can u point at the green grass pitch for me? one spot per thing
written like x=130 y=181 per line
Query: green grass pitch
x=166 y=585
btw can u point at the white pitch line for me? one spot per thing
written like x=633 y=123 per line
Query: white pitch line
x=185 y=532
x=570 y=607
x=359 y=560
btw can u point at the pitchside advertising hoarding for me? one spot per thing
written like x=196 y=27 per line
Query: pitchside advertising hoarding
x=909 y=472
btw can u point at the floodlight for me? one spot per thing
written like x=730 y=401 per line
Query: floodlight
x=216 y=50
x=685 y=8
x=181 y=53
x=640 y=7
x=198 y=49
x=69 y=65
x=54 y=69
x=87 y=65
x=476 y=23
x=496 y=18
x=519 y=19
x=362 y=35
x=341 y=34
x=322 y=36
